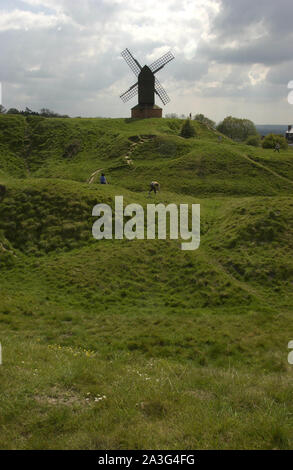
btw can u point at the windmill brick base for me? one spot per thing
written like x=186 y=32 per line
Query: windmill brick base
x=146 y=111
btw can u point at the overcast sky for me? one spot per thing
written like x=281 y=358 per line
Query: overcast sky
x=232 y=57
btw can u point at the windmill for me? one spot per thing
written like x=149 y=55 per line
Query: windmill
x=147 y=86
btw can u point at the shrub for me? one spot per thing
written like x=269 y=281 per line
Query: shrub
x=187 y=130
x=2 y=191
x=72 y=149
x=174 y=125
x=271 y=140
x=253 y=140
x=204 y=120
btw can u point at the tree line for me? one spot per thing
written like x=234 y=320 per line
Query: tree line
x=45 y=112
x=237 y=129
x=244 y=130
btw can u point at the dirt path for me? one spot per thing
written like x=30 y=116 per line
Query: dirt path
x=93 y=176
x=241 y=284
x=127 y=157
x=260 y=165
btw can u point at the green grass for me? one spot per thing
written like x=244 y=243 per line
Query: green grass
x=70 y=398
x=189 y=349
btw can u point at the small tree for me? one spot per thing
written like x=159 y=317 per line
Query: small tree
x=47 y=112
x=2 y=109
x=204 y=120
x=237 y=129
x=187 y=129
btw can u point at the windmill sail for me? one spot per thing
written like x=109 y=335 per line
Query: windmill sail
x=132 y=91
x=160 y=63
x=131 y=61
x=160 y=91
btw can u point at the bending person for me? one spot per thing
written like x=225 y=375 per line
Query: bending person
x=154 y=186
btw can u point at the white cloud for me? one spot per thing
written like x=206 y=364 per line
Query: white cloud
x=65 y=54
x=26 y=20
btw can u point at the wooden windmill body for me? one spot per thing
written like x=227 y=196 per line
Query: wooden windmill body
x=146 y=87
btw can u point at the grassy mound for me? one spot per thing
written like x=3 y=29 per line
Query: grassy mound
x=133 y=152
x=188 y=347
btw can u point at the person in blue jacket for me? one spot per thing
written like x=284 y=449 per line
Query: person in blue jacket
x=103 y=179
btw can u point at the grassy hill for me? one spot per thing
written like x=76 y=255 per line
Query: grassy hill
x=124 y=344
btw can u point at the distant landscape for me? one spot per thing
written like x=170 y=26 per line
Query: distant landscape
x=265 y=129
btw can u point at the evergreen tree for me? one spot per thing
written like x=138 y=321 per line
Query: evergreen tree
x=187 y=129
